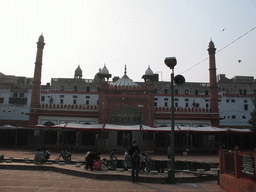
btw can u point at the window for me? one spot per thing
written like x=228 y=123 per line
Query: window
x=62 y=96
x=155 y=104
x=197 y=105
x=176 y=99
x=42 y=98
x=186 y=92
x=62 y=88
x=165 y=99
x=74 y=96
x=21 y=94
x=243 y=117
x=206 y=92
x=246 y=107
x=227 y=100
x=245 y=101
x=245 y=92
x=206 y=100
x=61 y=101
x=13 y=100
x=233 y=116
x=74 y=101
x=15 y=94
x=165 y=91
x=87 y=97
x=207 y=105
x=1 y=100
x=186 y=99
x=176 y=91
x=88 y=89
x=75 y=88
x=186 y=104
x=219 y=100
x=176 y=104
x=87 y=102
x=155 y=90
x=166 y=104
x=233 y=100
x=240 y=91
x=155 y=99
x=196 y=92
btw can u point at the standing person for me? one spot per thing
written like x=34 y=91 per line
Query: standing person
x=135 y=160
x=169 y=152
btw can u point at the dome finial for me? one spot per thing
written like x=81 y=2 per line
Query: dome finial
x=125 y=70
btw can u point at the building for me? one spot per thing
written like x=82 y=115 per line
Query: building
x=222 y=102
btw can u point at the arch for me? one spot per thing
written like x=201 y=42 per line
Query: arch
x=125 y=115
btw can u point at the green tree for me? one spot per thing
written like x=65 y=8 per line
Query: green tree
x=252 y=121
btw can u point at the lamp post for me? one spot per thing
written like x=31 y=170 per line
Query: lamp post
x=140 y=143
x=171 y=62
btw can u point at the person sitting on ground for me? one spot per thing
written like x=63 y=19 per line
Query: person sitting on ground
x=46 y=154
x=86 y=155
x=66 y=156
x=113 y=159
x=38 y=156
x=112 y=155
x=91 y=158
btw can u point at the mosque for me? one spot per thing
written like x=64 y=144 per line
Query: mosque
x=105 y=113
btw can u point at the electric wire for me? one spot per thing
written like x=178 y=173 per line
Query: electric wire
x=220 y=50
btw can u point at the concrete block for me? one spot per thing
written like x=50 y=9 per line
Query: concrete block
x=214 y=169
x=119 y=170
x=78 y=164
x=154 y=172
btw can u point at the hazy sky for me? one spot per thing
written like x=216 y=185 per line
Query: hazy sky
x=136 y=33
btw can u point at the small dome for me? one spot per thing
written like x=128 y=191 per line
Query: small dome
x=78 y=72
x=104 y=70
x=149 y=71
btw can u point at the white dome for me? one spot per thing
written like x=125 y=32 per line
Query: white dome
x=149 y=71
x=104 y=70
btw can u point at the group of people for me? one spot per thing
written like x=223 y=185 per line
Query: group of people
x=41 y=156
x=132 y=158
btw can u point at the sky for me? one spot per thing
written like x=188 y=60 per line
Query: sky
x=138 y=34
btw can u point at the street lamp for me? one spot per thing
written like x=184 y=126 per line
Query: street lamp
x=171 y=62
x=140 y=143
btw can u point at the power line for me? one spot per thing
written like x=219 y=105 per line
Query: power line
x=220 y=49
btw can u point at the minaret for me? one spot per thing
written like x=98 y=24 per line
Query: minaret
x=36 y=88
x=213 y=83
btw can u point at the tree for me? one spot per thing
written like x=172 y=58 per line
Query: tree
x=252 y=121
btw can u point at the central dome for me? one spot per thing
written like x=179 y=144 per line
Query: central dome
x=125 y=81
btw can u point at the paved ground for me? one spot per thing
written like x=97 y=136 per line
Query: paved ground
x=20 y=180
x=32 y=181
